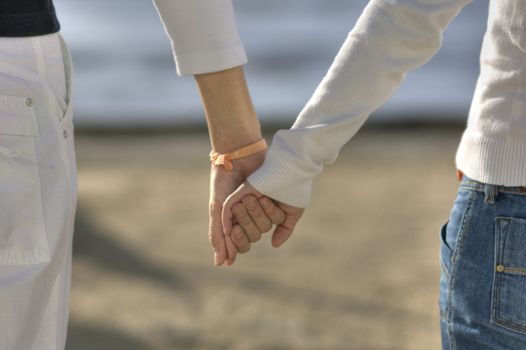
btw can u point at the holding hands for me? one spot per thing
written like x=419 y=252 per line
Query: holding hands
x=240 y=215
x=238 y=151
x=245 y=215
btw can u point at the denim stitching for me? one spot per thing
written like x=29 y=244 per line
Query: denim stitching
x=495 y=312
x=458 y=247
x=495 y=302
x=515 y=271
x=479 y=186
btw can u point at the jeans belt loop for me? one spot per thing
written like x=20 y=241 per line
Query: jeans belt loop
x=490 y=192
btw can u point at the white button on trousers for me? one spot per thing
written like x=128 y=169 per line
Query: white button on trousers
x=37 y=192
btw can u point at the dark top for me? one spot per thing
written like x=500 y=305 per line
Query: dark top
x=27 y=18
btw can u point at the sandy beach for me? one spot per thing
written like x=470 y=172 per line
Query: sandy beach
x=360 y=272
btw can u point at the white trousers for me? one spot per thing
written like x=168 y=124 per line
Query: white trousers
x=37 y=192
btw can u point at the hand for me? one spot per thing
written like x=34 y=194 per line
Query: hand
x=222 y=184
x=254 y=217
x=232 y=123
x=241 y=202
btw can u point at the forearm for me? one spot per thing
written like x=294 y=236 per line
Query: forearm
x=232 y=124
x=230 y=115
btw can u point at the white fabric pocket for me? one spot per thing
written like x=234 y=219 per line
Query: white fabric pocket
x=22 y=230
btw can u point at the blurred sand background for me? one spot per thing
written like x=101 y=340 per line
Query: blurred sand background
x=360 y=272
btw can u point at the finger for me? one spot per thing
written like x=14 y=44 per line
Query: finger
x=215 y=235
x=231 y=250
x=236 y=196
x=217 y=241
x=218 y=244
x=282 y=232
x=227 y=216
x=281 y=235
x=239 y=239
x=246 y=223
x=275 y=214
x=255 y=211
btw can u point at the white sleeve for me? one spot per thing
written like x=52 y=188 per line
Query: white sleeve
x=390 y=38
x=203 y=34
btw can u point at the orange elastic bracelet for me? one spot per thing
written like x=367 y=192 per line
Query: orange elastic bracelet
x=227 y=158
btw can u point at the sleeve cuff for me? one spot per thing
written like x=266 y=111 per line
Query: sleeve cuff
x=281 y=181
x=212 y=61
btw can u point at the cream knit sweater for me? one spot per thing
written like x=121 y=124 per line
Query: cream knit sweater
x=391 y=38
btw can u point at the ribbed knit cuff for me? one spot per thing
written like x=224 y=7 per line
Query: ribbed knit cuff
x=213 y=61
x=497 y=161
x=282 y=181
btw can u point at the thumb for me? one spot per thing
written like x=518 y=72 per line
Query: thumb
x=281 y=235
x=236 y=196
x=282 y=232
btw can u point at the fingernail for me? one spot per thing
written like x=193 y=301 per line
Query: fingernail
x=264 y=202
x=216 y=259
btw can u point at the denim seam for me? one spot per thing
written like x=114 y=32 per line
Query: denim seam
x=509 y=325
x=495 y=304
x=497 y=284
x=464 y=226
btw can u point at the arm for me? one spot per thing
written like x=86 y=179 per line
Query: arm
x=390 y=39
x=206 y=44
x=203 y=34
x=230 y=115
x=232 y=123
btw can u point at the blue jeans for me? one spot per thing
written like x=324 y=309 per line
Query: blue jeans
x=483 y=258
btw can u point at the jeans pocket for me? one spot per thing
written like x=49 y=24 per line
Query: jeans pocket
x=446 y=251
x=22 y=232
x=452 y=232
x=508 y=308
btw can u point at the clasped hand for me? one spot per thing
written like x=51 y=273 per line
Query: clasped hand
x=239 y=214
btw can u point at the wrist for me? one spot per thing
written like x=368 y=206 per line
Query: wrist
x=228 y=141
x=247 y=165
x=244 y=159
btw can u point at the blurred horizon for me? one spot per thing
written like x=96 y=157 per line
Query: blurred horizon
x=125 y=74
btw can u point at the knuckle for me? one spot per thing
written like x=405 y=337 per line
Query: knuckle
x=256 y=212
x=251 y=203
x=270 y=209
x=278 y=218
x=244 y=249
x=266 y=226
x=244 y=221
x=239 y=237
x=214 y=240
x=257 y=215
x=238 y=210
x=255 y=237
